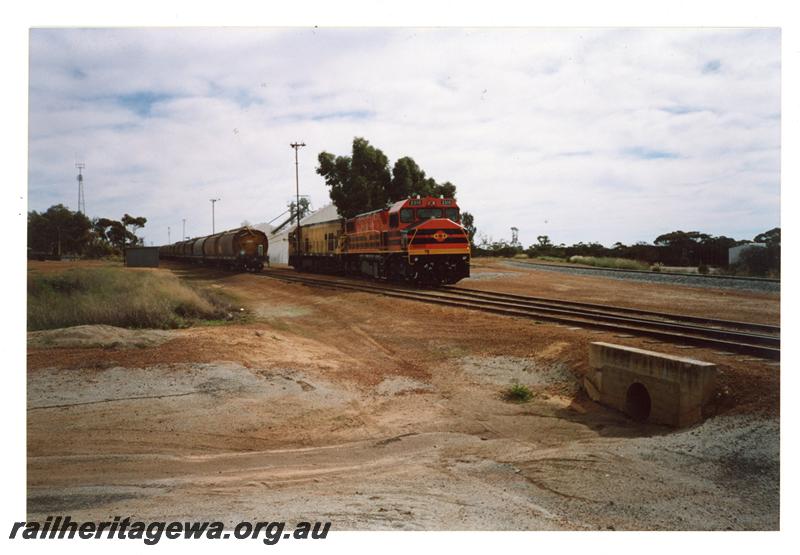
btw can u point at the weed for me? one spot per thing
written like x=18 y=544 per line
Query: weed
x=518 y=393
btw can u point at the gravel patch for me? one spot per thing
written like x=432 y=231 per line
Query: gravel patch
x=47 y=389
x=750 y=440
x=507 y=370
x=269 y=311
x=399 y=385
x=98 y=336
x=655 y=277
x=480 y=276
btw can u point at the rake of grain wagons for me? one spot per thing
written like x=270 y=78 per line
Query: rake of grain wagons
x=244 y=248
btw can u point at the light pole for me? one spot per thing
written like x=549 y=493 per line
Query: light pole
x=296 y=147
x=213 y=202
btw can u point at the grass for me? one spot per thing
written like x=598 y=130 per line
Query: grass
x=550 y=259
x=518 y=393
x=121 y=297
x=610 y=262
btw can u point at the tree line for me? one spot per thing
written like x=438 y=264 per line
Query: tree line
x=677 y=248
x=59 y=231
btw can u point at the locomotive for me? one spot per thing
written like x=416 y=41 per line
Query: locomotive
x=419 y=240
x=243 y=248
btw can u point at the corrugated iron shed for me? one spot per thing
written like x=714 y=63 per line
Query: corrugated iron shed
x=141 y=257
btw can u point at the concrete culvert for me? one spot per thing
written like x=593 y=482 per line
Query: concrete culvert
x=637 y=402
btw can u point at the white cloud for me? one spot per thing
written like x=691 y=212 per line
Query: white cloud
x=606 y=134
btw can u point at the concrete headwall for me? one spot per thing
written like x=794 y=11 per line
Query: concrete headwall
x=672 y=389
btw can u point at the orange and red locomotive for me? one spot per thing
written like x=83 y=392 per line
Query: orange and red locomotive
x=419 y=240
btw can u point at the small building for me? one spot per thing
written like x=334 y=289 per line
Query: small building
x=279 y=242
x=141 y=257
x=734 y=253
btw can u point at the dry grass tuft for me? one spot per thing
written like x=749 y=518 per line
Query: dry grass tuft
x=610 y=262
x=119 y=297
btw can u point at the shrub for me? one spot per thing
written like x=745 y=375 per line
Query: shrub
x=762 y=262
x=518 y=393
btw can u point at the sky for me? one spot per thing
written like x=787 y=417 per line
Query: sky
x=579 y=134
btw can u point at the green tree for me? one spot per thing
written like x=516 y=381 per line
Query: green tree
x=407 y=180
x=682 y=246
x=114 y=233
x=362 y=181
x=305 y=208
x=771 y=237
x=446 y=190
x=358 y=183
x=759 y=261
x=58 y=231
x=468 y=221
x=135 y=223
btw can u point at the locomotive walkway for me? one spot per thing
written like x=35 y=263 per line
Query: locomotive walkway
x=754 y=339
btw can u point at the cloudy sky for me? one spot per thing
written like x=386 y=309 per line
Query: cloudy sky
x=582 y=135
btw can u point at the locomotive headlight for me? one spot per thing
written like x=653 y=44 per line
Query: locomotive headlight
x=463 y=258
x=241 y=252
x=416 y=259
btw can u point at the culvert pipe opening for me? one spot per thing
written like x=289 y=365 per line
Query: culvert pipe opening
x=637 y=402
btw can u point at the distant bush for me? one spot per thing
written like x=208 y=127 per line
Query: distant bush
x=119 y=297
x=609 y=262
x=656 y=267
x=761 y=262
x=550 y=258
x=702 y=269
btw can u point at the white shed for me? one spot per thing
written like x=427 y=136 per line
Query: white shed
x=279 y=242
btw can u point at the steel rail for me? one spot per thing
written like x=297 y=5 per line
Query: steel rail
x=650 y=272
x=754 y=326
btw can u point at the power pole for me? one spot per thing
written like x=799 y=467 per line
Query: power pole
x=81 y=198
x=296 y=147
x=183 y=237
x=213 y=202
x=169 y=240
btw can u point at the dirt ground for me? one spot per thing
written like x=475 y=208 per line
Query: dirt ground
x=747 y=306
x=378 y=414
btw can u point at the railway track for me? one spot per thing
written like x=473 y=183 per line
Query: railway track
x=759 y=340
x=710 y=277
